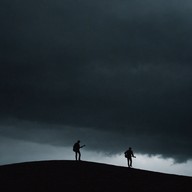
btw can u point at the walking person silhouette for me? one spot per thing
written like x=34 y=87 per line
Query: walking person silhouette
x=129 y=154
x=76 y=149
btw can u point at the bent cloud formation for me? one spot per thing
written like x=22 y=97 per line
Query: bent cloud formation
x=114 y=73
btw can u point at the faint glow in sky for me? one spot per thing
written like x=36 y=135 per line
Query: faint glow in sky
x=157 y=163
x=145 y=162
x=22 y=151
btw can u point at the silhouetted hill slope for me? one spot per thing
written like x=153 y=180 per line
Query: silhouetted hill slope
x=82 y=176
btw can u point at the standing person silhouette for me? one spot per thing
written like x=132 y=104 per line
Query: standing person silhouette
x=129 y=154
x=76 y=149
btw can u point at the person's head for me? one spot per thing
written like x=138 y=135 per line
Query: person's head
x=129 y=148
x=78 y=141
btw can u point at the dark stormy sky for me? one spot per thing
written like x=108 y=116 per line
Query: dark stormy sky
x=113 y=73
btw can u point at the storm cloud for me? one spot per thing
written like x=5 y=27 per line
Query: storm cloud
x=114 y=73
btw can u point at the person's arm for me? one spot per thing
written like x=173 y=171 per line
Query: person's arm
x=133 y=155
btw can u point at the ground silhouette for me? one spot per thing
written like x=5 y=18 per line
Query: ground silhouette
x=73 y=176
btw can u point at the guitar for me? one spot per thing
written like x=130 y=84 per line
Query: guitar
x=82 y=146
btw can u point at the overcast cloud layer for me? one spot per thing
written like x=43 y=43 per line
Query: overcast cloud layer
x=113 y=73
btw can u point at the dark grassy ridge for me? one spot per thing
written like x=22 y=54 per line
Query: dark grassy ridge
x=82 y=176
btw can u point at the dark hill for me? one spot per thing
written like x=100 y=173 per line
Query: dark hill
x=72 y=176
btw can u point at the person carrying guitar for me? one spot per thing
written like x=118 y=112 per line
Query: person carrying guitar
x=76 y=149
x=129 y=154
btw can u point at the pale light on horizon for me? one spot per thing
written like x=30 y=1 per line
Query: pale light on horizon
x=151 y=163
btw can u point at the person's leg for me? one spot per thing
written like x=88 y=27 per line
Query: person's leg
x=130 y=162
x=79 y=155
x=76 y=156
